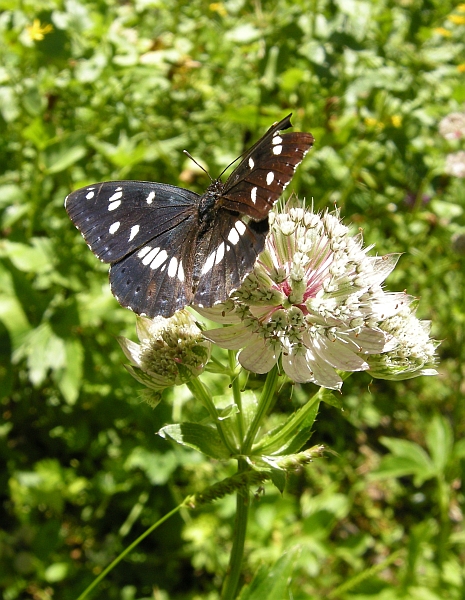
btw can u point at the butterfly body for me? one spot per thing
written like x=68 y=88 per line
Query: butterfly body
x=170 y=247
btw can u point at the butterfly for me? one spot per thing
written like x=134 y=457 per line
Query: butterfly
x=169 y=247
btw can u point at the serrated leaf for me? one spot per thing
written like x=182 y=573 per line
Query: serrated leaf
x=272 y=583
x=331 y=398
x=202 y=438
x=289 y=437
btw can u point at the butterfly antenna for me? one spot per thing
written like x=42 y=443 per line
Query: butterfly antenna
x=198 y=164
x=224 y=170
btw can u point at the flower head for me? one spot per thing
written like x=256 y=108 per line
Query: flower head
x=172 y=351
x=37 y=31
x=455 y=164
x=413 y=351
x=314 y=298
x=452 y=127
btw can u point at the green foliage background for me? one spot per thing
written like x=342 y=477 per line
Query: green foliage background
x=116 y=91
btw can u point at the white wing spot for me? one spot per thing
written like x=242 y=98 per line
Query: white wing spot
x=251 y=163
x=134 y=232
x=114 y=205
x=90 y=195
x=116 y=196
x=150 y=256
x=240 y=226
x=277 y=149
x=150 y=197
x=277 y=139
x=269 y=178
x=118 y=189
x=144 y=251
x=114 y=228
x=219 y=253
x=233 y=237
x=173 y=267
x=253 y=194
x=159 y=260
x=180 y=272
x=208 y=266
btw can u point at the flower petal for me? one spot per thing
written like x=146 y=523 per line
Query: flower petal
x=369 y=340
x=338 y=354
x=296 y=368
x=231 y=338
x=131 y=350
x=259 y=357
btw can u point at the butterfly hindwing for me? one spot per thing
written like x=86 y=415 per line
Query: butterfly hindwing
x=156 y=279
x=225 y=256
x=117 y=217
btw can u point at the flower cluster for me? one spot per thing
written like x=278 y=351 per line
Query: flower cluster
x=172 y=351
x=315 y=300
x=452 y=127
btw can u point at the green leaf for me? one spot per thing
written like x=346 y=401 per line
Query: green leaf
x=249 y=407
x=278 y=478
x=331 y=398
x=56 y=572
x=440 y=441
x=289 y=437
x=272 y=583
x=35 y=258
x=59 y=156
x=69 y=379
x=406 y=458
x=202 y=438
x=459 y=449
x=157 y=467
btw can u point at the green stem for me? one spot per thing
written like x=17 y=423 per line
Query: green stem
x=237 y=552
x=444 y=532
x=126 y=551
x=200 y=392
x=264 y=404
x=236 y=393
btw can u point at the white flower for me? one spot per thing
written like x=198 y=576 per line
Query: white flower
x=455 y=164
x=414 y=350
x=314 y=299
x=172 y=351
x=452 y=127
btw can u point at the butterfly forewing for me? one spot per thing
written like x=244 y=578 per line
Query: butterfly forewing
x=117 y=217
x=257 y=183
x=169 y=247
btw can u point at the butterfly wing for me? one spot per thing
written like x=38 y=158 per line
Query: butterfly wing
x=259 y=180
x=148 y=232
x=225 y=255
x=117 y=217
x=156 y=279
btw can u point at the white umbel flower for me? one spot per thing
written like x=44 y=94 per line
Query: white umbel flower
x=455 y=164
x=452 y=127
x=171 y=351
x=314 y=298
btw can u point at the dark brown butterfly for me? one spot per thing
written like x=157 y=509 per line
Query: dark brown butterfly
x=169 y=247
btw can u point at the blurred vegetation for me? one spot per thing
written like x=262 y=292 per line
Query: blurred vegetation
x=97 y=90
